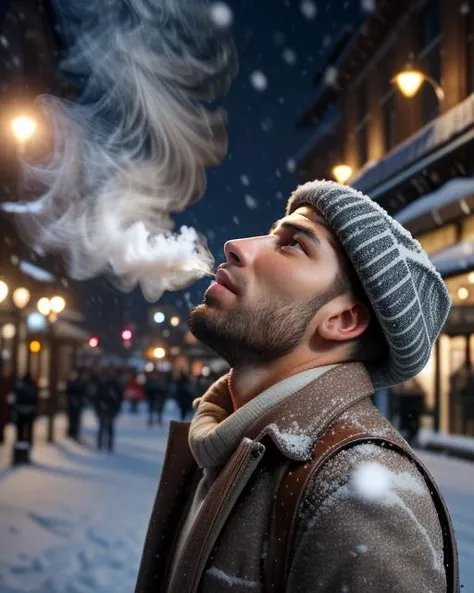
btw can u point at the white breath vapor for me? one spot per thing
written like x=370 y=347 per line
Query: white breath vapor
x=134 y=148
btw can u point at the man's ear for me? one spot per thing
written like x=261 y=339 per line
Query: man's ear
x=345 y=324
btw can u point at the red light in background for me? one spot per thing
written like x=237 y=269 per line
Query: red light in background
x=126 y=335
x=94 y=342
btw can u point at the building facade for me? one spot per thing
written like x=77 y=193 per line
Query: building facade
x=415 y=157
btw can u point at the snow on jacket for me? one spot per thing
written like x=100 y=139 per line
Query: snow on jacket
x=352 y=536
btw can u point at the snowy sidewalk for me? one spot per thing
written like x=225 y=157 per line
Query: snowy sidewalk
x=454 y=445
x=75 y=521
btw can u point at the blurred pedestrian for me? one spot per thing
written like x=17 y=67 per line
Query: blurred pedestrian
x=107 y=403
x=75 y=400
x=156 y=391
x=184 y=395
x=411 y=399
x=133 y=393
x=24 y=399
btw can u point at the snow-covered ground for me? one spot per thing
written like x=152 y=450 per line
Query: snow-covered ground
x=75 y=521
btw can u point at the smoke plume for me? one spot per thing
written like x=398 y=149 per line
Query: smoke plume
x=134 y=148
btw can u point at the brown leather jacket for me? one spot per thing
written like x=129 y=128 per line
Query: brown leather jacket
x=343 y=541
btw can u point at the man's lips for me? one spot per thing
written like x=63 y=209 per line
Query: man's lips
x=224 y=278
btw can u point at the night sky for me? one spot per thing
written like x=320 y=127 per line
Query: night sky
x=274 y=37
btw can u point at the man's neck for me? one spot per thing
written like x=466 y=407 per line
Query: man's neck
x=247 y=382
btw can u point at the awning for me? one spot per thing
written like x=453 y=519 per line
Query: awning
x=439 y=137
x=450 y=193
x=456 y=259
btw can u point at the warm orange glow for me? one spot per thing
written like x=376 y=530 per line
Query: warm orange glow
x=44 y=306
x=342 y=173
x=57 y=304
x=23 y=127
x=3 y=290
x=21 y=297
x=159 y=352
x=35 y=346
x=409 y=82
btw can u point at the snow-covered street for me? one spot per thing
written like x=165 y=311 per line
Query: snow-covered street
x=75 y=521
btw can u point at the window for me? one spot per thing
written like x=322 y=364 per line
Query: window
x=429 y=28
x=362 y=121
x=433 y=241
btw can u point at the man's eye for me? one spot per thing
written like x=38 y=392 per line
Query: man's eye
x=292 y=242
x=295 y=243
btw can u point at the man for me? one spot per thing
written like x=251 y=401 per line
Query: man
x=156 y=392
x=75 y=399
x=107 y=404
x=336 y=300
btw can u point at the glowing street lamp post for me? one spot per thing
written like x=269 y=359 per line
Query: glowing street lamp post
x=51 y=308
x=10 y=331
x=410 y=79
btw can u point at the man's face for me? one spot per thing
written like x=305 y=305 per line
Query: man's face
x=276 y=283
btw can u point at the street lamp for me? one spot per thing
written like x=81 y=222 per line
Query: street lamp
x=51 y=308
x=159 y=352
x=8 y=331
x=342 y=173
x=23 y=127
x=21 y=297
x=410 y=79
x=54 y=305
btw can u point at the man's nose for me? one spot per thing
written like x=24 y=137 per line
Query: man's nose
x=242 y=251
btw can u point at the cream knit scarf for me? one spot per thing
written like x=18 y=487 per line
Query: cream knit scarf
x=217 y=430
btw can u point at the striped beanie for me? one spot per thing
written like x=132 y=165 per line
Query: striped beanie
x=407 y=294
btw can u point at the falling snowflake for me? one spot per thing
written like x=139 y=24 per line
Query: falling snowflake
x=221 y=15
x=278 y=38
x=211 y=235
x=330 y=76
x=308 y=9
x=289 y=56
x=236 y=219
x=290 y=165
x=245 y=180
x=464 y=7
x=187 y=298
x=16 y=61
x=266 y=124
x=281 y=100
x=64 y=282
x=327 y=40
x=3 y=41
x=251 y=202
x=279 y=195
x=278 y=172
x=367 y=5
x=258 y=80
x=14 y=259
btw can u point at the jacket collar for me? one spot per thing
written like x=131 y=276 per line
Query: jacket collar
x=296 y=424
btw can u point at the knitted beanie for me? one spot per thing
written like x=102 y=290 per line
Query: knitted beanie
x=407 y=294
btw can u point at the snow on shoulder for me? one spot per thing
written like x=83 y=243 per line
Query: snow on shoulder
x=373 y=482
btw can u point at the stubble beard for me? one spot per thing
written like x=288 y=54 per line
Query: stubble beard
x=254 y=335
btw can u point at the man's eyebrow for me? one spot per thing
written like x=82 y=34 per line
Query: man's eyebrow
x=299 y=228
